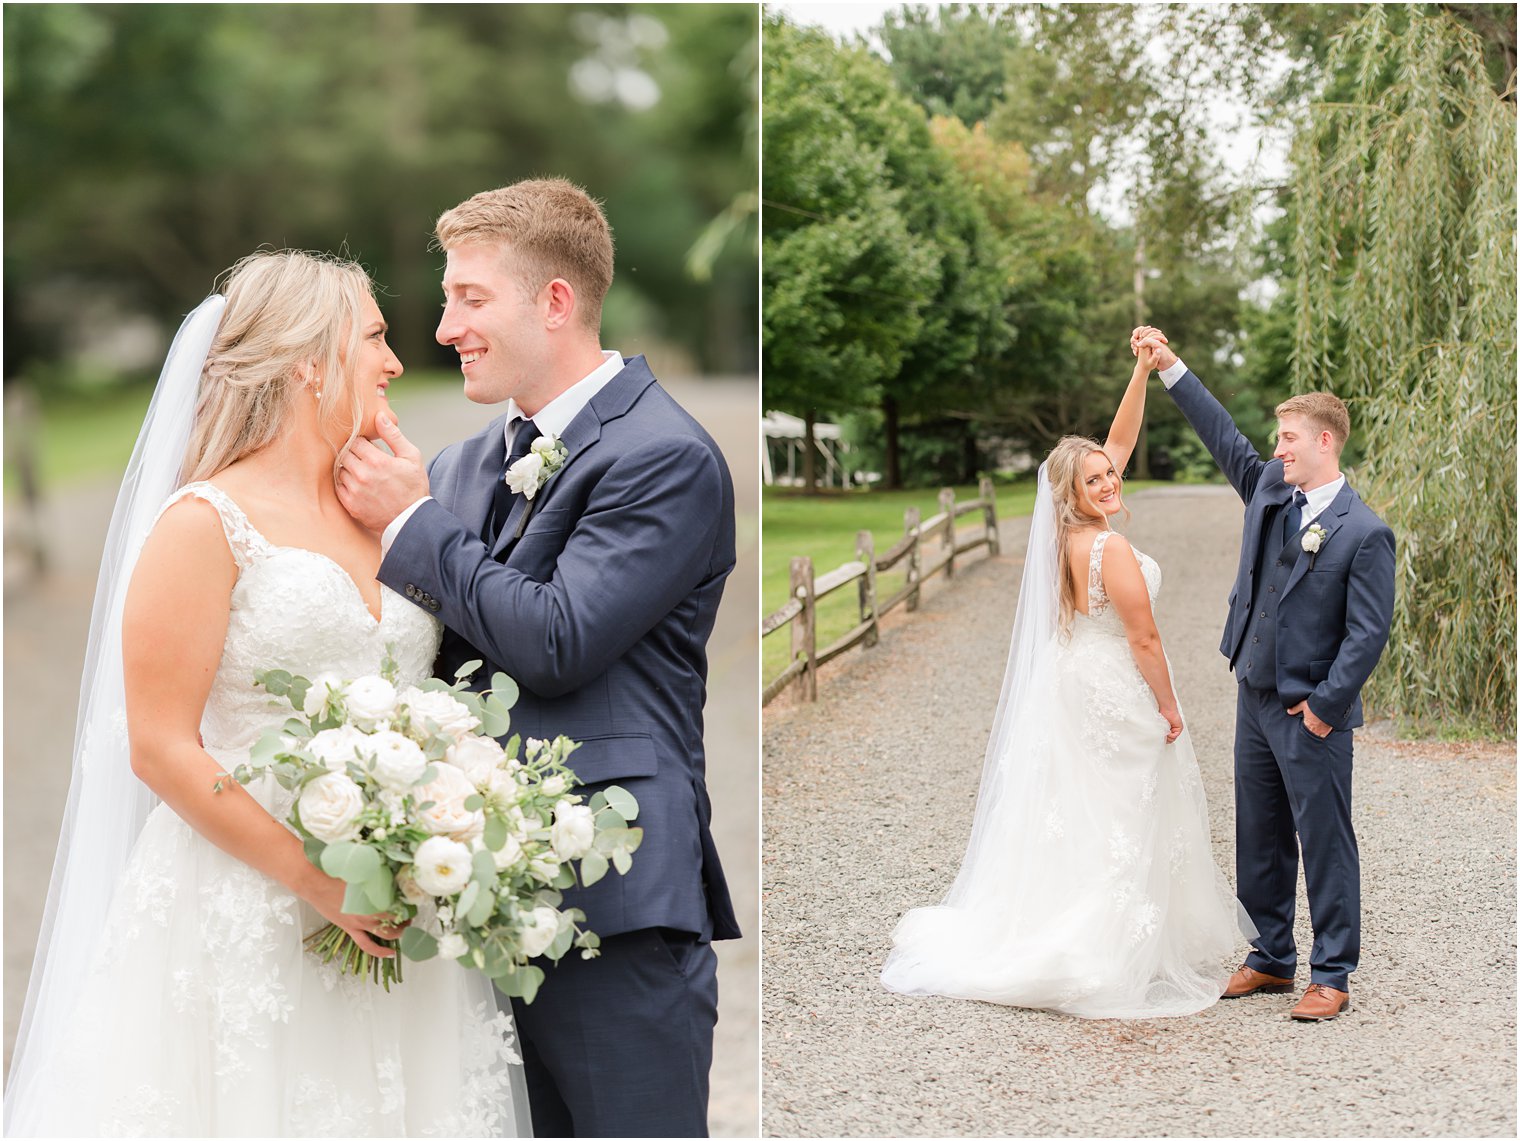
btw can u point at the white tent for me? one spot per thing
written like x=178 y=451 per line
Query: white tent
x=785 y=436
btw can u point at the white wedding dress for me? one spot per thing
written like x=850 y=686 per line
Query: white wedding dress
x=203 y=1015
x=1093 y=890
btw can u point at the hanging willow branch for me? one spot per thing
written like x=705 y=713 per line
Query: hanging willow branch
x=1404 y=195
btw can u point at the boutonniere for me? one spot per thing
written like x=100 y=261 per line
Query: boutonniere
x=1313 y=540
x=546 y=455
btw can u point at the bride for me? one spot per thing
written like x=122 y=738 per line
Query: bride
x=1088 y=885
x=170 y=994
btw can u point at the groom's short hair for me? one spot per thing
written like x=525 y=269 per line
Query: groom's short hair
x=553 y=228
x=1324 y=410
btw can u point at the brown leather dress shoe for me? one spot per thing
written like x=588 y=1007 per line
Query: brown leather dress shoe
x=1321 y=1003
x=1249 y=981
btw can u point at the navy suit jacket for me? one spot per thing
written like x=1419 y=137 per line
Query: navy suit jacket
x=1336 y=608
x=600 y=611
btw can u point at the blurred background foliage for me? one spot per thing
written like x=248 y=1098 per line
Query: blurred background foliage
x=148 y=146
x=965 y=214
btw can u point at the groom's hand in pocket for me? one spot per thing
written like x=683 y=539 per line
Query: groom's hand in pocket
x=1312 y=723
x=374 y=486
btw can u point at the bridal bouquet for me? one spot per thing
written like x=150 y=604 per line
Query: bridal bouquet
x=406 y=797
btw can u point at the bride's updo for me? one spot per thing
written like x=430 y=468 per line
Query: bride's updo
x=290 y=316
x=1063 y=467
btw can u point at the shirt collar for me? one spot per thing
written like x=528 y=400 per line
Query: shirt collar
x=554 y=417
x=1321 y=497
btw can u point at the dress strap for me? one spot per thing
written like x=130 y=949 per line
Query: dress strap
x=245 y=543
x=1097 y=597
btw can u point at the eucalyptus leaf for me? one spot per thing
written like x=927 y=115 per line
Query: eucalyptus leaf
x=356 y=900
x=418 y=945
x=350 y=862
x=561 y=943
x=504 y=689
x=468 y=896
x=313 y=849
x=484 y=867
x=468 y=668
x=296 y=727
x=380 y=890
x=493 y=721
x=622 y=801
x=482 y=908
x=593 y=868
x=474 y=801
x=496 y=833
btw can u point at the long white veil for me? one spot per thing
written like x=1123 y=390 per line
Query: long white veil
x=107 y=804
x=1034 y=626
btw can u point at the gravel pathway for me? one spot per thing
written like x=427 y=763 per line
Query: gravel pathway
x=867 y=801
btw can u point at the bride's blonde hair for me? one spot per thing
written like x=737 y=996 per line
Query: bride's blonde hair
x=291 y=317
x=1063 y=467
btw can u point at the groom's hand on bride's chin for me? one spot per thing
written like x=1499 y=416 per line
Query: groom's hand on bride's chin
x=375 y=486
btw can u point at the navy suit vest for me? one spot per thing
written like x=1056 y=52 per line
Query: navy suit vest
x=1256 y=660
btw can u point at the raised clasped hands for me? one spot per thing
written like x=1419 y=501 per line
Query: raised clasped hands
x=1149 y=344
x=375 y=487
x=1312 y=723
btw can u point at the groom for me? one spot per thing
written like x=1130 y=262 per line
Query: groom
x=597 y=595
x=1309 y=617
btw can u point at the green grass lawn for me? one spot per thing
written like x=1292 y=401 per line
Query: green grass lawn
x=823 y=527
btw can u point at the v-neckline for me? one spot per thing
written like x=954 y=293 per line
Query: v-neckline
x=358 y=591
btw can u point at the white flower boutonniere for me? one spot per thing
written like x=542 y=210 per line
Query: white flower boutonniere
x=545 y=457
x=1313 y=540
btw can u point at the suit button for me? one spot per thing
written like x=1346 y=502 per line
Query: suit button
x=1263 y=614
x=1254 y=641
x=433 y=605
x=1271 y=590
x=1250 y=665
x=411 y=591
x=1279 y=562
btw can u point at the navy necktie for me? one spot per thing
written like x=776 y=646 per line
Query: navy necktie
x=501 y=504
x=1295 y=514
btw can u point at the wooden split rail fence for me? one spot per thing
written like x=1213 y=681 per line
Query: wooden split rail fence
x=922 y=564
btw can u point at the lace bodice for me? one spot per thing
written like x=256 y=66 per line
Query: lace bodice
x=295 y=609
x=1099 y=609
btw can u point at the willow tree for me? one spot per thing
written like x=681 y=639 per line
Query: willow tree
x=1404 y=195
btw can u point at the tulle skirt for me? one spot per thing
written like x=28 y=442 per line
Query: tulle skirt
x=1089 y=886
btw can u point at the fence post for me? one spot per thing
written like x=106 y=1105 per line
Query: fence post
x=804 y=630
x=989 y=513
x=865 y=551
x=910 y=527
x=947 y=507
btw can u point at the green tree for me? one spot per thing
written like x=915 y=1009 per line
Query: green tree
x=1404 y=250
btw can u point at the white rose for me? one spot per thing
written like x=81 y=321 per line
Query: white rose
x=536 y=938
x=557 y=785
x=444 y=710
x=510 y=853
x=543 y=868
x=324 y=688
x=441 y=866
x=453 y=946
x=369 y=700
x=398 y=762
x=448 y=790
x=477 y=757
x=574 y=830
x=406 y=884
x=336 y=747
x=1312 y=539
x=523 y=476
x=330 y=807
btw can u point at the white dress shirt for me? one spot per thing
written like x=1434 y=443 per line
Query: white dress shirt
x=1319 y=499
x=552 y=420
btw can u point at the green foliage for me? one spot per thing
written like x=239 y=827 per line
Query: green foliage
x=1405 y=305
x=149 y=146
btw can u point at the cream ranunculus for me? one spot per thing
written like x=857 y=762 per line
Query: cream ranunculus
x=448 y=790
x=477 y=757
x=444 y=710
x=406 y=884
x=574 y=830
x=441 y=866
x=370 y=700
x=536 y=938
x=335 y=748
x=398 y=761
x=324 y=688
x=330 y=806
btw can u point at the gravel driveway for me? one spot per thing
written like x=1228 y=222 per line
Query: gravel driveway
x=867 y=801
